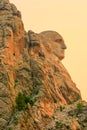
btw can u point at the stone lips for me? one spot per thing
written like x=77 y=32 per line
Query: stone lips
x=30 y=64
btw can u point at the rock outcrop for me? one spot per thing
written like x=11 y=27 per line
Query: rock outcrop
x=36 y=91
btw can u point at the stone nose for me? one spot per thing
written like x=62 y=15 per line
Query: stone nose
x=63 y=45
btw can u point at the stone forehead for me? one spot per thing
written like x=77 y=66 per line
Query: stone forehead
x=51 y=34
x=4 y=1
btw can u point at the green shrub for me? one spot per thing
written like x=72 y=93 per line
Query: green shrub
x=58 y=124
x=9 y=128
x=16 y=83
x=61 y=108
x=15 y=119
x=29 y=100
x=22 y=100
x=55 y=100
x=78 y=97
x=79 y=108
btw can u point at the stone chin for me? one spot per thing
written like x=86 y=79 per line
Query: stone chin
x=61 y=57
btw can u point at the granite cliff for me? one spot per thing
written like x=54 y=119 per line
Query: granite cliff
x=36 y=91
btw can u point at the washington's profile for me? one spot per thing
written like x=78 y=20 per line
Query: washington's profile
x=55 y=43
x=36 y=90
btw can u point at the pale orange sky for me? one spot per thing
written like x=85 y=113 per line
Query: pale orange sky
x=69 y=18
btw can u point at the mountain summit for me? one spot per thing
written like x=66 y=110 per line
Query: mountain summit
x=36 y=91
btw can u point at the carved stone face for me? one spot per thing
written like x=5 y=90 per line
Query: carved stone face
x=56 y=43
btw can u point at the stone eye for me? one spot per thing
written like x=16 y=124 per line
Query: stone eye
x=58 y=40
